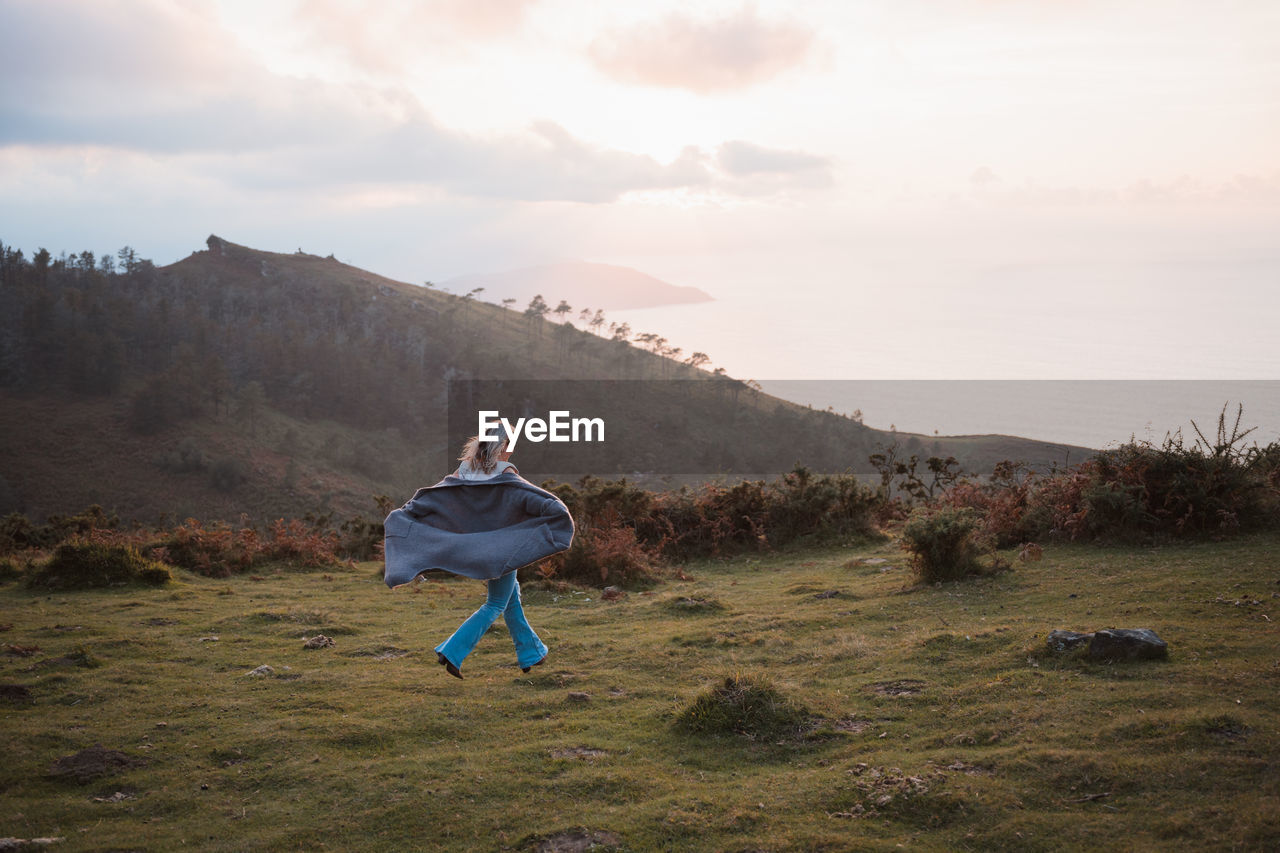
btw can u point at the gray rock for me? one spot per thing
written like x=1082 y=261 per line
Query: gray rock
x=261 y=671
x=1065 y=641
x=1125 y=644
x=319 y=641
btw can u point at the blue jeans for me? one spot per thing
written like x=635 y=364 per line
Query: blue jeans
x=503 y=600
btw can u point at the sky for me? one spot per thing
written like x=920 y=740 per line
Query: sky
x=963 y=188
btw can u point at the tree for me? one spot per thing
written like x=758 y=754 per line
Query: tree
x=537 y=311
x=597 y=321
x=698 y=359
x=128 y=260
x=40 y=260
x=561 y=310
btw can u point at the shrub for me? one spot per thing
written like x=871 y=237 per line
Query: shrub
x=298 y=544
x=186 y=457
x=1136 y=491
x=716 y=519
x=226 y=474
x=214 y=550
x=748 y=705
x=605 y=552
x=95 y=565
x=17 y=532
x=943 y=543
x=218 y=550
x=9 y=569
x=362 y=538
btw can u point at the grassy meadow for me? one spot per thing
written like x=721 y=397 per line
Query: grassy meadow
x=936 y=718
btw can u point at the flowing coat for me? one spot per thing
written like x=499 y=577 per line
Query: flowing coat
x=476 y=528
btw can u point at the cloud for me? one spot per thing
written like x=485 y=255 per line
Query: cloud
x=741 y=159
x=167 y=81
x=544 y=163
x=382 y=38
x=703 y=56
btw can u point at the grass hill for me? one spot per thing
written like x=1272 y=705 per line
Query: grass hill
x=242 y=381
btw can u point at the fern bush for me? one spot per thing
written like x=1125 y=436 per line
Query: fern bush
x=943 y=543
x=92 y=565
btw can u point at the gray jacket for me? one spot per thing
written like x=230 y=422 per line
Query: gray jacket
x=476 y=528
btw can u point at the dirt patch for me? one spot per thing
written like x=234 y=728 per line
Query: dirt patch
x=159 y=621
x=92 y=763
x=901 y=687
x=378 y=652
x=686 y=604
x=585 y=752
x=578 y=841
x=848 y=724
x=966 y=769
x=879 y=788
x=15 y=693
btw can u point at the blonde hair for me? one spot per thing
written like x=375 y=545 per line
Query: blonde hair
x=483 y=455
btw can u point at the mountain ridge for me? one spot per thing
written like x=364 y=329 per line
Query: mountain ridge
x=243 y=382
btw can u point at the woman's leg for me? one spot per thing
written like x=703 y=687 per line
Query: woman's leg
x=457 y=647
x=529 y=649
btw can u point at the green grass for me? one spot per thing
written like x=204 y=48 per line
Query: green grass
x=933 y=718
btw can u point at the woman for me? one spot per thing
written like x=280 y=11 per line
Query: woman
x=483 y=521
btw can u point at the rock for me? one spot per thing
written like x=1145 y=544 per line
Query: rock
x=92 y=763
x=901 y=687
x=319 y=641
x=613 y=593
x=831 y=593
x=579 y=841
x=576 y=696
x=1125 y=644
x=586 y=752
x=263 y=670
x=1065 y=641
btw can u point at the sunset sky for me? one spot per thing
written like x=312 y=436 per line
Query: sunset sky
x=804 y=149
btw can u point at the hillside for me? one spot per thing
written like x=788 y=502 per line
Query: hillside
x=239 y=381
